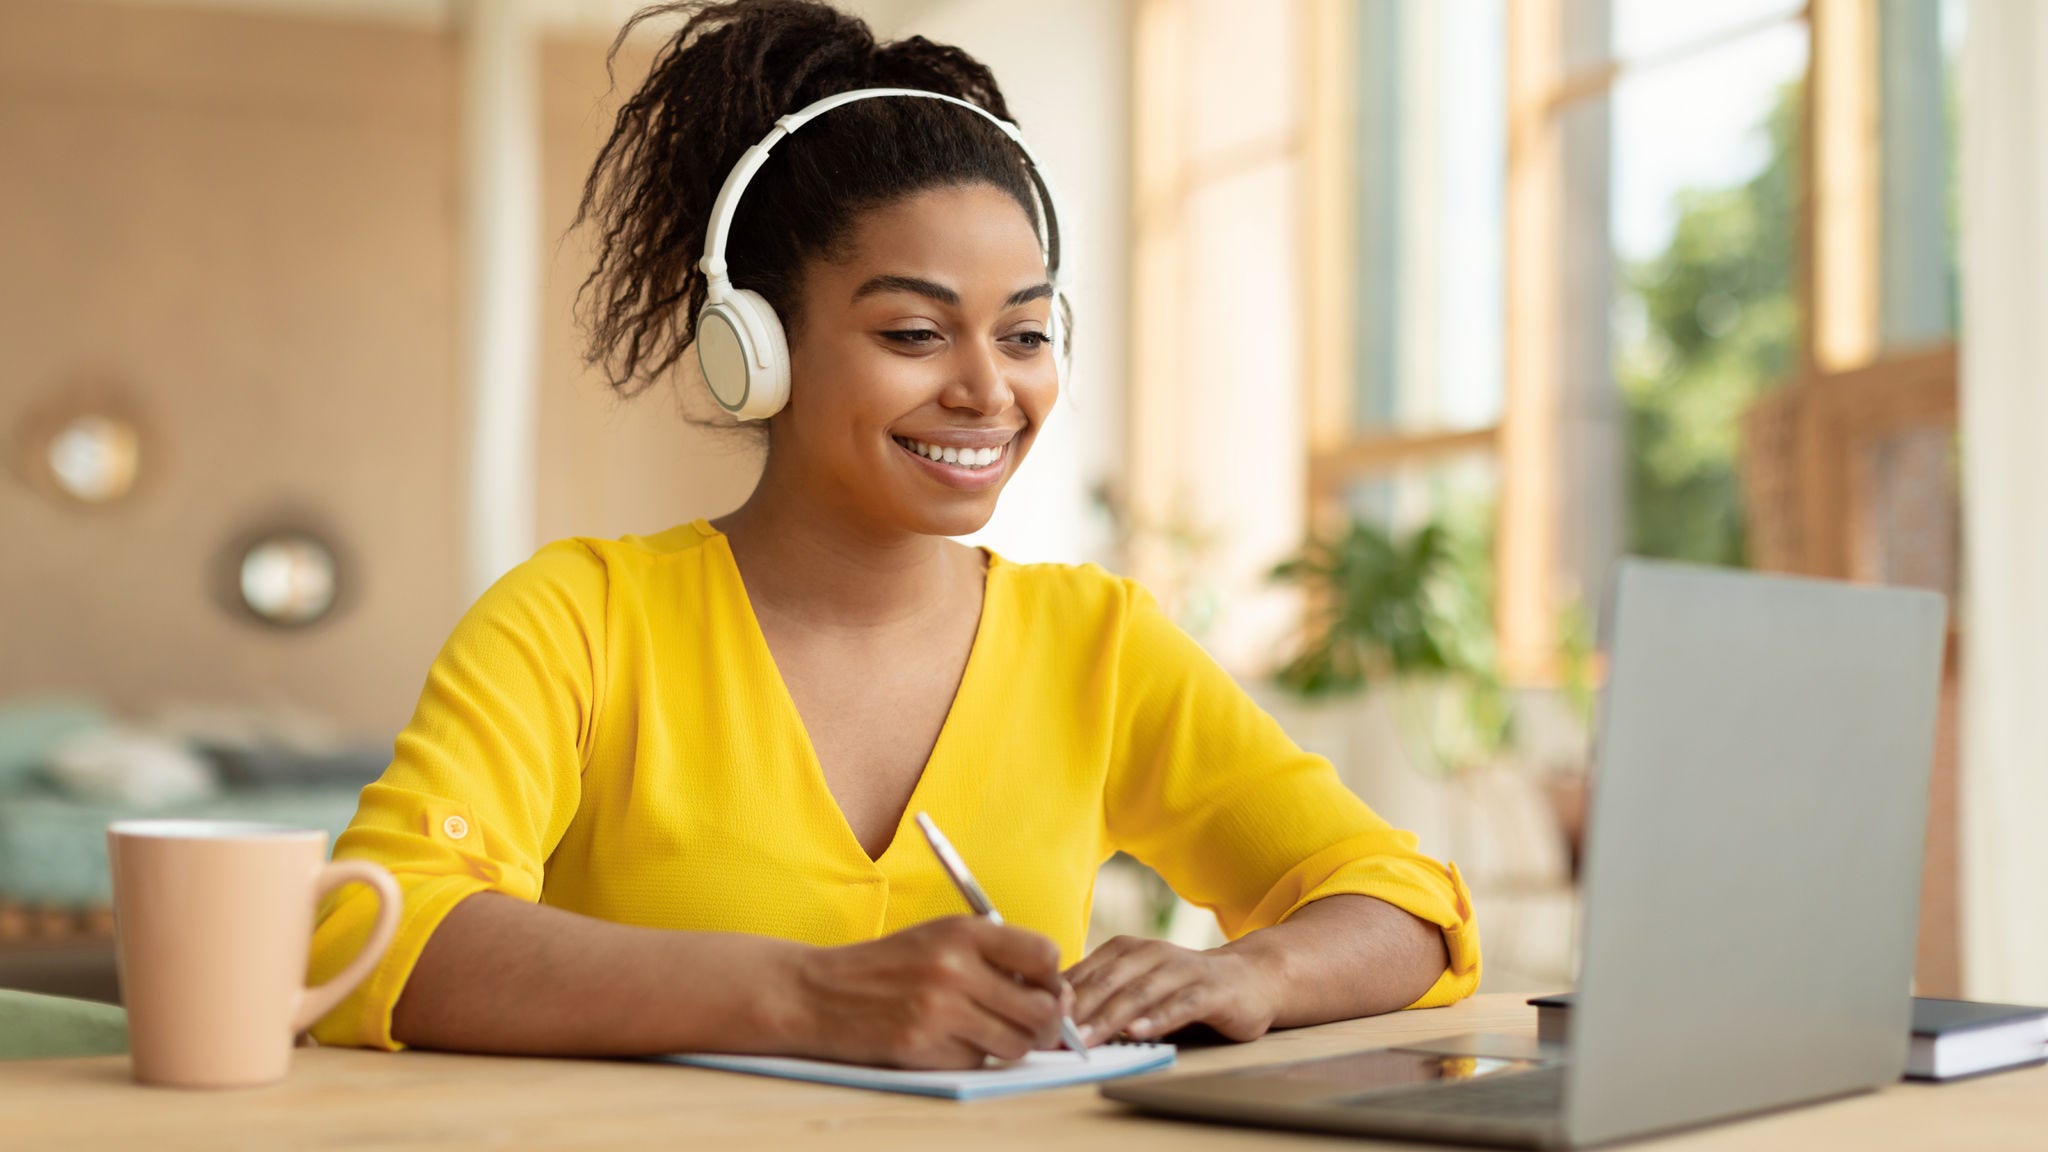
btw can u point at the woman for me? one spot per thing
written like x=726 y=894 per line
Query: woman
x=657 y=794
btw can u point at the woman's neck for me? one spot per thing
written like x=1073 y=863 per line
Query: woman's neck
x=805 y=560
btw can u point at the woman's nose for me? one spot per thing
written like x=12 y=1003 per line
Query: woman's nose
x=981 y=383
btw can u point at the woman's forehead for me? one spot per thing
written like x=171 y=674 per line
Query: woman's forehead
x=971 y=237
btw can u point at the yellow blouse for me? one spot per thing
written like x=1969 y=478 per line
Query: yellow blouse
x=606 y=732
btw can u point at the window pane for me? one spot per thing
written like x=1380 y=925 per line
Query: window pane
x=1243 y=95
x=1917 y=268
x=1239 y=403
x=1704 y=123
x=1215 y=493
x=1648 y=28
x=1703 y=157
x=1431 y=110
x=1460 y=494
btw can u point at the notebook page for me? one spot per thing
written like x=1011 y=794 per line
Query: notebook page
x=1037 y=1070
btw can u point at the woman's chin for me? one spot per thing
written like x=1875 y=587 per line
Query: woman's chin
x=956 y=517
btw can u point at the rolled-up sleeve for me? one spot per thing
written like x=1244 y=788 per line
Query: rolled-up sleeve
x=1207 y=789
x=484 y=778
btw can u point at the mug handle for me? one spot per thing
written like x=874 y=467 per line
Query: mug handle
x=317 y=1002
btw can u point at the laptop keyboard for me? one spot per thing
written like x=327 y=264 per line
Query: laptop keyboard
x=1512 y=1095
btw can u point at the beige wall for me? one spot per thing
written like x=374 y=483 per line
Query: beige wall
x=609 y=467
x=246 y=222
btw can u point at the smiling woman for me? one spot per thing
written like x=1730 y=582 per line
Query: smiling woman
x=655 y=794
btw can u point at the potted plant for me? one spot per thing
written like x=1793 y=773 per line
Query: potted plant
x=1393 y=677
x=1399 y=612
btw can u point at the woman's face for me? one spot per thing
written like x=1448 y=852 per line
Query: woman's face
x=929 y=338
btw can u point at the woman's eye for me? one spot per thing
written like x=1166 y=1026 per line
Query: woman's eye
x=916 y=336
x=1033 y=339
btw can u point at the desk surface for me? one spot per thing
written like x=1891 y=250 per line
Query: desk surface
x=342 y=1098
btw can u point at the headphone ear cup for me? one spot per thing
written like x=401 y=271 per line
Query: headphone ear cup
x=744 y=355
x=1056 y=333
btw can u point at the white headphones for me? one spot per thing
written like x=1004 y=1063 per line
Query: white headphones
x=740 y=343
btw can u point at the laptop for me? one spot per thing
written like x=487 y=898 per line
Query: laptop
x=1752 y=879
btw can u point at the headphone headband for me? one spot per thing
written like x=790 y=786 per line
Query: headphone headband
x=726 y=205
x=740 y=341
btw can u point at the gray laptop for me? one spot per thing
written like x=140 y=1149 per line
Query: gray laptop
x=1751 y=885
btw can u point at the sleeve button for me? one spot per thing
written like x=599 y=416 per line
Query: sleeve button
x=456 y=827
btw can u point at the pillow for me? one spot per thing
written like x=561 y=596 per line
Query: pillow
x=30 y=729
x=129 y=766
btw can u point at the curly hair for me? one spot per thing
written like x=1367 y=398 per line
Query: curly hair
x=714 y=89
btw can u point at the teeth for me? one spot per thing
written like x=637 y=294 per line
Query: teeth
x=964 y=457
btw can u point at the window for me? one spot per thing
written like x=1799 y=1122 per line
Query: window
x=1604 y=265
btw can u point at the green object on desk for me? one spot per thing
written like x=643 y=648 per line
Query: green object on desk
x=37 y=1027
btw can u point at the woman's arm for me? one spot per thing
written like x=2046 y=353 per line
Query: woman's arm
x=1345 y=956
x=1336 y=958
x=503 y=975
x=1332 y=912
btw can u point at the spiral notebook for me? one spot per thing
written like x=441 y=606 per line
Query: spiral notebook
x=1037 y=1070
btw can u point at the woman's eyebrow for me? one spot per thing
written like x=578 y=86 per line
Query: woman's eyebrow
x=941 y=293
x=915 y=284
x=1037 y=291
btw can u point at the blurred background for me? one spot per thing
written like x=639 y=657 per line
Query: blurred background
x=1398 y=322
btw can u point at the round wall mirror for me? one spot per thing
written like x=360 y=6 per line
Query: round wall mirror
x=290 y=578
x=94 y=457
x=84 y=447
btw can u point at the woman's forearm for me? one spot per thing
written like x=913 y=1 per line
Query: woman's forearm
x=501 y=975
x=1344 y=956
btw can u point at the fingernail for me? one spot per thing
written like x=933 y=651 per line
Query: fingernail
x=1087 y=1033
x=1140 y=1026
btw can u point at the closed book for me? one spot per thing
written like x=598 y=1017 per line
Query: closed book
x=1954 y=1038
x=1951 y=1038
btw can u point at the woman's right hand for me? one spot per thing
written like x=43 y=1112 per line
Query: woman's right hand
x=942 y=994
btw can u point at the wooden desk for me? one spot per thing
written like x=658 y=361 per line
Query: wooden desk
x=341 y=1098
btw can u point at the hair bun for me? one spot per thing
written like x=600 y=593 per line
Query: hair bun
x=915 y=62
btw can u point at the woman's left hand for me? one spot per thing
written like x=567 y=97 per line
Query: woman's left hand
x=1147 y=988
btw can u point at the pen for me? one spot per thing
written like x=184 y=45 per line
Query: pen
x=978 y=900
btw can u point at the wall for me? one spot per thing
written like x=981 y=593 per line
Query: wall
x=247 y=222
x=607 y=466
x=242 y=222
x=2004 y=779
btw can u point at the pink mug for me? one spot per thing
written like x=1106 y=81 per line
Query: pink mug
x=212 y=921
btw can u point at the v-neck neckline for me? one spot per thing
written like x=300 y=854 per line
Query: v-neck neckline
x=815 y=780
